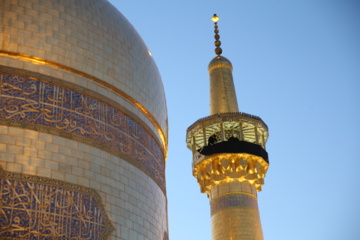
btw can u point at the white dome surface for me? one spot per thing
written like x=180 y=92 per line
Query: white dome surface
x=82 y=112
x=91 y=38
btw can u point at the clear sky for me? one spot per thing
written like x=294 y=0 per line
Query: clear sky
x=297 y=66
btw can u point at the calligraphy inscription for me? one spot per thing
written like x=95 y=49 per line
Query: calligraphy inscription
x=238 y=200
x=30 y=209
x=50 y=108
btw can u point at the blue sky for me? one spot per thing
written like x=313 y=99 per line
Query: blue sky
x=297 y=66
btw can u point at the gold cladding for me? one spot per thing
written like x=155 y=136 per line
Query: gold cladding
x=228 y=167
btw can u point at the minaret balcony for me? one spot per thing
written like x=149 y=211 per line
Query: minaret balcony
x=232 y=132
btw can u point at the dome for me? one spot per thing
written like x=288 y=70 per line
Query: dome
x=94 y=39
x=219 y=62
x=84 y=118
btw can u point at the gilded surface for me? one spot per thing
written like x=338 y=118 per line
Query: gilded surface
x=219 y=62
x=33 y=207
x=237 y=224
x=228 y=167
x=46 y=107
x=234 y=200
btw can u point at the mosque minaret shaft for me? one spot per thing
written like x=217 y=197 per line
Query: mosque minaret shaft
x=222 y=89
x=229 y=156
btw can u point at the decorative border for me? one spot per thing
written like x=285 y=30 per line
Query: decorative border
x=26 y=197
x=233 y=200
x=80 y=89
x=28 y=102
x=135 y=103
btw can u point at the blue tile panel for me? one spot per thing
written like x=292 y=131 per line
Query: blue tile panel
x=47 y=107
x=236 y=200
x=41 y=208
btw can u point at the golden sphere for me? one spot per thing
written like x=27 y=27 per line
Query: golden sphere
x=218 y=50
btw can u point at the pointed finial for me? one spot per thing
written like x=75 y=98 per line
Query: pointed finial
x=218 y=49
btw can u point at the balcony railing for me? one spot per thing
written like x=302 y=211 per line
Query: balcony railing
x=223 y=126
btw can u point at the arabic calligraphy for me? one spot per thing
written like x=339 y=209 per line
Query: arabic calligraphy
x=31 y=209
x=51 y=108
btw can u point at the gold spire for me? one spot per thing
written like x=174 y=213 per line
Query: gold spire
x=218 y=49
x=222 y=89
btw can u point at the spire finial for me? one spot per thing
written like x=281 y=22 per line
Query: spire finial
x=217 y=43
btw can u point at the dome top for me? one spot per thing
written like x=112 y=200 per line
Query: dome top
x=219 y=62
x=94 y=40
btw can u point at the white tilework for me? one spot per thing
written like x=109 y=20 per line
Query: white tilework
x=89 y=36
x=133 y=201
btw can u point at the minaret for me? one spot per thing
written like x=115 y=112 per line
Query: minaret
x=229 y=156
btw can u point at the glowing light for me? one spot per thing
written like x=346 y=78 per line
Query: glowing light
x=215 y=18
x=150 y=53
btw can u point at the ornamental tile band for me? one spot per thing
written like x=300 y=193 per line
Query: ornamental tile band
x=35 y=207
x=99 y=81
x=42 y=106
x=229 y=201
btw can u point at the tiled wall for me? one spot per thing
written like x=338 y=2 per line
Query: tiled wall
x=46 y=107
x=87 y=48
x=234 y=212
x=134 y=202
x=249 y=228
x=88 y=36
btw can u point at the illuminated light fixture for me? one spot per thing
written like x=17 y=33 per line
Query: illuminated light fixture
x=215 y=18
x=150 y=53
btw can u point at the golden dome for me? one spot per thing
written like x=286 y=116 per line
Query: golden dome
x=219 y=62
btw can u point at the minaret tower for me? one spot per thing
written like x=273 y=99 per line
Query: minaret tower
x=229 y=156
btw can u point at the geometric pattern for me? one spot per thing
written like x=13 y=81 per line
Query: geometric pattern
x=230 y=201
x=43 y=106
x=33 y=207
